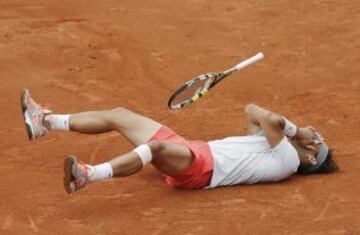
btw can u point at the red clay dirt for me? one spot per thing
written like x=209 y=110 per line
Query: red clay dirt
x=90 y=55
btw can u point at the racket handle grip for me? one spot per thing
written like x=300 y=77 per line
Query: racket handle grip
x=251 y=60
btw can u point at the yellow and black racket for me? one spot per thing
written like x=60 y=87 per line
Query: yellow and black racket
x=195 y=88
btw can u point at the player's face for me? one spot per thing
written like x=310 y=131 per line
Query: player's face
x=306 y=156
x=307 y=159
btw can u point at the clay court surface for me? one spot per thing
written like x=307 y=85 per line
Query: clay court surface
x=90 y=55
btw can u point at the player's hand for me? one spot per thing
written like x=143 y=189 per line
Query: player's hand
x=308 y=137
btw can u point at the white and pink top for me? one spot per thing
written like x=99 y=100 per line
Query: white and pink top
x=250 y=160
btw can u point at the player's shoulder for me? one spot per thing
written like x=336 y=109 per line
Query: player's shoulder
x=283 y=145
x=285 y=150
x=286 y=157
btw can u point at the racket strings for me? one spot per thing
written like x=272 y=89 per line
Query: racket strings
x=194 y=89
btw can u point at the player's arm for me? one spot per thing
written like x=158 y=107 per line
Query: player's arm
x=271 y=123
x=276 y=126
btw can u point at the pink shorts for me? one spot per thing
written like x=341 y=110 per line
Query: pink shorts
x=199 y=173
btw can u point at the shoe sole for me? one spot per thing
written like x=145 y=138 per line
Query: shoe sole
x=24 y=101
x=68 y=177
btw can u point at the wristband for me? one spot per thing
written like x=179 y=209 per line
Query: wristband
x=290 y=128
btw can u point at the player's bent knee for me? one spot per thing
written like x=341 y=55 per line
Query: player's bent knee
x=157 y=147
x=249 y=107
x=159 y=150
x=111 y=114
x=119 y=110
x=112 y=117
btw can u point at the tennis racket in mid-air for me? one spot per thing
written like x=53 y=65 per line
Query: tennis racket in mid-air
x=195 y=88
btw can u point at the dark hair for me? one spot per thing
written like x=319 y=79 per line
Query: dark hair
x=328 y=166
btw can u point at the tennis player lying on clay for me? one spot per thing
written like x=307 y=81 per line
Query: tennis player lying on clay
x=273 y=150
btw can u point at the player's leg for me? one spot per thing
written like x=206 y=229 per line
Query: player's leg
x=138 y=129
x=168 y=158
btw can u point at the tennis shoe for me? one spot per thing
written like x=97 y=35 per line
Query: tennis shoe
x=33 y=115
x=76 y=174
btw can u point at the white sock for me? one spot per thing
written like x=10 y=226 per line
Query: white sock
x=59 y=122
x=100 y=172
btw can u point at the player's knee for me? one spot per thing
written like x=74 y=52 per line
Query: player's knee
x=249 y=107
x=118 y=111
x=157 y=148
x=112 y=114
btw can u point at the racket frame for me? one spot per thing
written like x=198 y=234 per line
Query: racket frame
x=217 y=78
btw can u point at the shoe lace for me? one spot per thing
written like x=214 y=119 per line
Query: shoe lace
x=85 y=169
x=82 y=179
